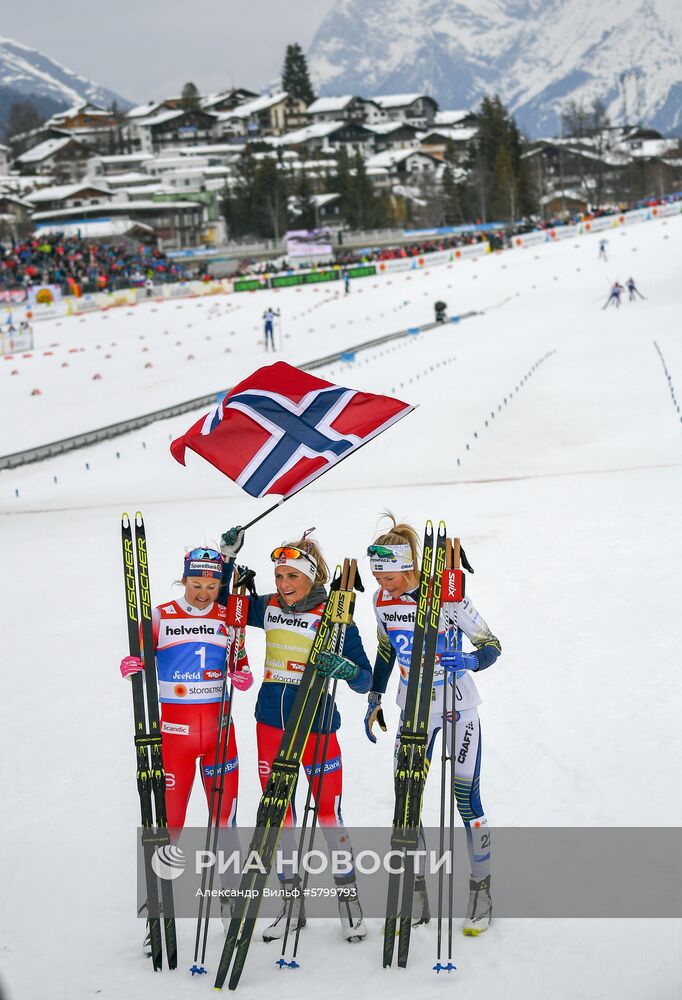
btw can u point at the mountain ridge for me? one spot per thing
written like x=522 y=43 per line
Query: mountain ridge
x=537 y=54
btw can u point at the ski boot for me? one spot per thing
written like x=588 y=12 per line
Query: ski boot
x=350 y=912
x=277 y=929
x=480 y=908
x=421 y=911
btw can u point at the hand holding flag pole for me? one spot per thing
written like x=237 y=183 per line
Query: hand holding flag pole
x=281 y=428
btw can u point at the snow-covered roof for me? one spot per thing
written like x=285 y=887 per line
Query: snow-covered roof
x=651 y=147
x=384 y=128
x=123 y=158
x=570 y=193
x=319 y=200
x=318 y=130
x=325 y=105
x=390 y=157
x=116 y=207
x=453 y=134
x=43 y=150
x=60 y=192
x=95 y=230
x=451 y=117
x=253 y=107
x=163 y=116
x=397 y=100
x=142 y=110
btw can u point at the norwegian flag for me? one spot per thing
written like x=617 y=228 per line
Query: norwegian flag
x=281 y=428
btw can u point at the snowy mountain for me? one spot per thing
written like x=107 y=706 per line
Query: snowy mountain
x=27 y=73
x=537 y=54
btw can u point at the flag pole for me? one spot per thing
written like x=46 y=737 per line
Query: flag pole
x=284 y=499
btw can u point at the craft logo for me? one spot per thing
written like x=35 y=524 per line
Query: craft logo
x=168 y=862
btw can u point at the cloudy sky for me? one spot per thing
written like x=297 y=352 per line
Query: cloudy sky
x=147 y=48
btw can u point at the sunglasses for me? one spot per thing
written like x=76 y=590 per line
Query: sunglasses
x=382 y=552
x=211 y=554
x=290 y=552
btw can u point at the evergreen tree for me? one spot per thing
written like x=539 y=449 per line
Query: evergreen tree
x=500 y=184
x=270 y=197
x=306 y=216
x=23 y=117
x=190 y=96
x=295 y=76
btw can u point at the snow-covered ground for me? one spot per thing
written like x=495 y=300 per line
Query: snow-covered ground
x=567 y=498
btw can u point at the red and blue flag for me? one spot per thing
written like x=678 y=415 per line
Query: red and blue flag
x=281 y=428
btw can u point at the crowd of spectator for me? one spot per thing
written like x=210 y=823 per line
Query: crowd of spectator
x=79 y=265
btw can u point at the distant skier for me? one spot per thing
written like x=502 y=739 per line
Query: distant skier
x=602 y=249
x=346 y=281
x=269 y=320
x=614 y=296
x=441 y=310
x=633 y=290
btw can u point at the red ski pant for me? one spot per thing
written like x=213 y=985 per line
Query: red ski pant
x=188 y=734
x=269 y=739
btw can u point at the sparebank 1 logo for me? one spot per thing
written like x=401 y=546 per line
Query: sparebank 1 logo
x=168 y=862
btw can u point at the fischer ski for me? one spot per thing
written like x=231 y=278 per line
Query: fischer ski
x=151 y=777
x=274 y=803
x=236 y=614
x=411 y=761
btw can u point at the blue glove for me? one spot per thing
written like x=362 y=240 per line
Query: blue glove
x=337 y=667
x=453 y=662
x=375 y=713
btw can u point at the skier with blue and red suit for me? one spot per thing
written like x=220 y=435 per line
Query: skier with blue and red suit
x=190 y=640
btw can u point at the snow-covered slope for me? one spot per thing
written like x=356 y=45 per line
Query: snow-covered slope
x=568 y=501
x=27 y=73
x=537 y=54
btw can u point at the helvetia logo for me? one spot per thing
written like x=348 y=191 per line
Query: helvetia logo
x=168 y=862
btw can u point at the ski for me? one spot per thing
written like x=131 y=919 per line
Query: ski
x=338 y=612
x=236 y=614
x=151 y=778
x=411 y=763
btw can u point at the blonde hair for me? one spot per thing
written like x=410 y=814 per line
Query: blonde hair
x=401 y=534
x=311 y=546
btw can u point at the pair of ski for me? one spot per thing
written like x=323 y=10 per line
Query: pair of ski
x=236 y=615
x=274 y=803
x=151 y=777
x=441 y=584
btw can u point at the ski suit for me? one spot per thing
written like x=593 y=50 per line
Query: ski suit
x=190 y=648
x=395 y=619
x=289 y=634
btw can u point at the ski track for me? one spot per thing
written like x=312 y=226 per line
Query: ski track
x=567 y=503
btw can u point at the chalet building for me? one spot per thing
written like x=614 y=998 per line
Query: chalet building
x=172 y=128
x=274 y=114
x=65 y=159
x=63 y=196
x=227 y=100
x=15 y=216
x=456 y=119
x=404 y=164
x=416 y=109
x=347 y=109
x=395 y=135
x=439 y=141
x=330 y=137
x=176 y=223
